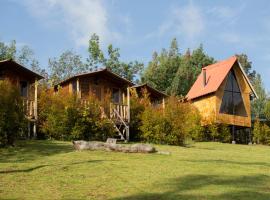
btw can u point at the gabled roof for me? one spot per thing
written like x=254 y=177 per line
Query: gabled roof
x=104 y=71
x=13 y=65
x=215 y=74
x=154 y=92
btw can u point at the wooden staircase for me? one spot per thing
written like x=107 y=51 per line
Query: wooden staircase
x=119 y=117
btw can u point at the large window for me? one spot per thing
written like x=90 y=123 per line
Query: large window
x=232 y=102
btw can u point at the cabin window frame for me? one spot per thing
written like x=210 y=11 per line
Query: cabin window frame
x=232 y=94
x=24 y=92
x=118 y=101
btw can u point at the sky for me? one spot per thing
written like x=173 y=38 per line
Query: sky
x=139 y=27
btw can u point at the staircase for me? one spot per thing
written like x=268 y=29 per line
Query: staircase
x=119 y=117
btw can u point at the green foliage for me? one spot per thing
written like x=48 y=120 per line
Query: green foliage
x=261 y=133
x=12 y=121
x=64 y=117
x=67 y=65
x=112 y=62
x=175 y=73
x=173 y=125
x=216 y=132
x=258 y=105
x=247 y=65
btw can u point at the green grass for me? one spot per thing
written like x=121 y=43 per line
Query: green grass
x=53 y=170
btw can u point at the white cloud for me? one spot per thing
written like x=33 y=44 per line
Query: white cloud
x=187 y=21
x=81 y=18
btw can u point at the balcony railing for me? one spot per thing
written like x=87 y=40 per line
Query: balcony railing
x=121 y=109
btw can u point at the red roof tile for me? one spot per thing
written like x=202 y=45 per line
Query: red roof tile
x=215 y=74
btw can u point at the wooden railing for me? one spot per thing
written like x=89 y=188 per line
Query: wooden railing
x=121 y=109
x=28 y=107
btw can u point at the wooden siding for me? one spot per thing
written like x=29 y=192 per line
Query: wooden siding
x=207 y=108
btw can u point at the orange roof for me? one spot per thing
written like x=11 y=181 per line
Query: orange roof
x=215 y=74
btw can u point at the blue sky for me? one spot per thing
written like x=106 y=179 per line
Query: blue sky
x=139 y=27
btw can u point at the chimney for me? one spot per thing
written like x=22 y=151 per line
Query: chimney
x=204 y=77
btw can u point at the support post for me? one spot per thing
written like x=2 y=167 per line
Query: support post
x=250 y=139
x=29 y=129
x=128 y=112
x=233 y=136
x=78 y=88
x=35 y=109
x=163 y=103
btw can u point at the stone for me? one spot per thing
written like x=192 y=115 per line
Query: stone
x=94 y=145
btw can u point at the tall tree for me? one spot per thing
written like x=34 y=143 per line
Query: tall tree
x=247 y=65
x=128 y=70
x=96 y=56
x=258 y=105
x=68 y=64
x=162 y=68
x=189 y=69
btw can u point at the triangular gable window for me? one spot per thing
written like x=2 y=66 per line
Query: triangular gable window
x=232 y=102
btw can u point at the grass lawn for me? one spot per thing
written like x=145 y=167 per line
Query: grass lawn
x=53 y=170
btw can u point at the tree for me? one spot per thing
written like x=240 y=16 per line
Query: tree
x=68 y=64
x=258 y=105
x=161 y=71
x=247 y=65
x=96 y=56
x=112 y=61
x=8 y=51
x=175 y=73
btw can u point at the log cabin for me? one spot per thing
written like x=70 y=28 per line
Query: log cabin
x=103 y=83
x=222 y=93
x=155 y=96
x=27 y=83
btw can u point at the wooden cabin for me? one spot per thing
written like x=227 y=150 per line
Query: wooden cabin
x=222 y=94
x=155 y=96
x=103 y=84
x=27 y=82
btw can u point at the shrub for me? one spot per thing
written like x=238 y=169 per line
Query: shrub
x=137 y=107
x=90 y=125
x=12 y=120
x=261 y=133
x=216 y=132
x=172 y=125
x=64 y=117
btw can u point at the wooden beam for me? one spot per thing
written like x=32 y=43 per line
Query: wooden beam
x=78 y=88
x=128 y=112
x=35 y=109
x=163 y=103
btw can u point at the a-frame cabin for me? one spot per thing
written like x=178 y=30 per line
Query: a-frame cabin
x=222 y=93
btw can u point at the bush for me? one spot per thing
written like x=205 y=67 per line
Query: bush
x=216 y=132
x=12 y=120
x=261 y=133
x=64 y=117
x=172 y=125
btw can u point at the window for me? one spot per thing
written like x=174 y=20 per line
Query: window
x=232 y=102
x=23 y=88
x=1 y=75
x=74 y=86
x=115 y=95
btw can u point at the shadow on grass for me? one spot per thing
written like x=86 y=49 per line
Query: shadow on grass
x=191 y=187
x=262 y=164
x=64 y=166
x=33 y=149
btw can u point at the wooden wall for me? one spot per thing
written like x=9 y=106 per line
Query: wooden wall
x=207 y=108
x=102 y=87
x=15 y=78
